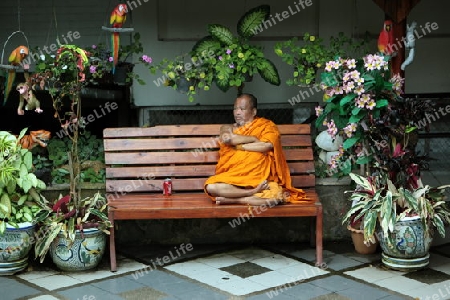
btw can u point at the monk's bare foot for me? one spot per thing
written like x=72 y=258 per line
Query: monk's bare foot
x=260 y=187
x=248 y=200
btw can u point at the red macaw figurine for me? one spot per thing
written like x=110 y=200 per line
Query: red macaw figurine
x=386 y=38
x=15 y=58
x=117 y=19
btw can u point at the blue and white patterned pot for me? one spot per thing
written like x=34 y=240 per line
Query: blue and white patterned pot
x=85 y=253
x=409 y=245
x=15 y=244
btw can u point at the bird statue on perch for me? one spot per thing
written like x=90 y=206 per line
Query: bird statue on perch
x=386 y=38
x=15 y=59
x=117 y=19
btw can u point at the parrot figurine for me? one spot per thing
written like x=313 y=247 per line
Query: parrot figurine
x=15 y=58
x=117 y=19
x=386 y=38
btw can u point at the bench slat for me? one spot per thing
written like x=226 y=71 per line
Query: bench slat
x=197 y=130
x=148 y=158
x=201 y=207
x=182 y=184
x=200 y=143
x=188 y=170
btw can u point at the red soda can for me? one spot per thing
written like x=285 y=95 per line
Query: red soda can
x=167 y=187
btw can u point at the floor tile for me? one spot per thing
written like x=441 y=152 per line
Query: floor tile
x=54 y=282
x=334 y=283
x=44 y=297
x=11 y=289
x=428 y=276
x=117 y=285
x=400 y=284
x=341 y=262
x=88 y=292
x=373 y=274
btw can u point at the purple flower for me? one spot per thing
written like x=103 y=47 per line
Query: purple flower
x=228 y=51
x=220 y=57
x=147 y=59
x=111 y=59
x=94 y=46
x=92 y=69
x=231 y=66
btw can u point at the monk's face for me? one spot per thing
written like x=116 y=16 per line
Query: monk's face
x=243 y=111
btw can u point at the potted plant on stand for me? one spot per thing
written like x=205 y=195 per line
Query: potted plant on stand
x=72 y=228
x=101 y=69
x=225 y=59
x=364 y=106
x=309 y=54
x=19 y=198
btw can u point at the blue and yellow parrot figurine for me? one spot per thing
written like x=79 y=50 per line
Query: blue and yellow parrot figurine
x=15 y=58
x=117 y=19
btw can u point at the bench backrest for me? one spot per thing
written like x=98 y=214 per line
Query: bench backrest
x=138 y=159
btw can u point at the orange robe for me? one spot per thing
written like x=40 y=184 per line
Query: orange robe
x=248 y=169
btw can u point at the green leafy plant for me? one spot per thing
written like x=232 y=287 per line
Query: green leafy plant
x=378 y=202
x=19 y=187
x=360 y=94
x=90 y=149
x=70 y=213
x=309 y=54
x=103 y=61
x=223 y=59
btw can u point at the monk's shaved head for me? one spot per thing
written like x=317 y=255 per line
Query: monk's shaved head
x=253 y=100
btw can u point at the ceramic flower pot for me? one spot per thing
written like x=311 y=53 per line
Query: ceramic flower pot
x=15 y=244
x=85 y=253
x=407 y=247
x=358 y=242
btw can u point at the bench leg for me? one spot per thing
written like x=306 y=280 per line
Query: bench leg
x=319 y=239
x=112 y=247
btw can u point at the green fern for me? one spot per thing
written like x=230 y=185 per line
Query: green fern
x=251 y=20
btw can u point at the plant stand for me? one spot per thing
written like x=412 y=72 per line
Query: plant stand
x=406 y=249
x=85 y=253
x=15 y=245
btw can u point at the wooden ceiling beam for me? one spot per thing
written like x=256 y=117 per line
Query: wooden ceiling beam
x=397 y=10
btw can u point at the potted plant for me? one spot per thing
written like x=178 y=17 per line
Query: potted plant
x=73 y=227
x=19 y=203
x=122 y=74
x=309 y=54
x=224 y=59
x=403 y=220
x=364 y=106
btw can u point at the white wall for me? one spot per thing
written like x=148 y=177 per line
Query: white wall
x=183 y=19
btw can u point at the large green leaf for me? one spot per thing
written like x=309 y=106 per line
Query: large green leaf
x=43 y=242
x=205 y=46
x=268 y=71
x=251 y=22
x=360 y=180
x=221 y=33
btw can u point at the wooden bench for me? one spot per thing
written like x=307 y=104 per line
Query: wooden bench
x=139 y=159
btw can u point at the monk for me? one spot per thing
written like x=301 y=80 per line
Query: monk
x=252 y=168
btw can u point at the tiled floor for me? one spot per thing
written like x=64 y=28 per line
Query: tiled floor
x=279 y=272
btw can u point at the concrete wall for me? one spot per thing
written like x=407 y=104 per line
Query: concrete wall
x=169 y=28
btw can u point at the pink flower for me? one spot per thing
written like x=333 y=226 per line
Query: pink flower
x=319 y=111
x=111 y=59
x=92 y=69
x=147 y=59
x=371 y=104
x=220 y=57
x=231 y=66
x=94 y=47
x=228 y=51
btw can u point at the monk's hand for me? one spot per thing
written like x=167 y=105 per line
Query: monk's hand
x=226 y=133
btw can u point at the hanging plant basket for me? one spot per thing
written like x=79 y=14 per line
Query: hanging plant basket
x=121 y=74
